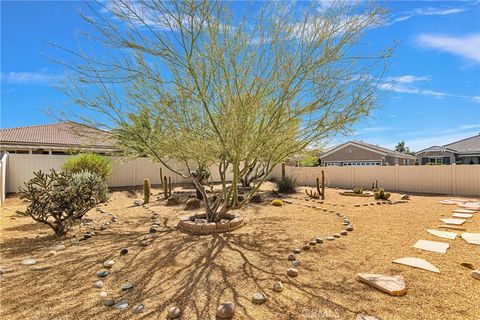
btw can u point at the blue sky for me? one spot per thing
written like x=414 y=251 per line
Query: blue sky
x=435 y=69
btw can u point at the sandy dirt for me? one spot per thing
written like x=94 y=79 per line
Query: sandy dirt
x=197 y=273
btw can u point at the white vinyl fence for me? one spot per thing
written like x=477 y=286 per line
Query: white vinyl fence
x=20 y=168
x=441 y=179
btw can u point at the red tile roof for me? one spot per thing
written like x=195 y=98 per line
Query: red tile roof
x=63 y=133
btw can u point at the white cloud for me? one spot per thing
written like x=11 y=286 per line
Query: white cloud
x=39 y=77
x=411 y=84
x=426 y=12
x=467 y=47
x=376 y=129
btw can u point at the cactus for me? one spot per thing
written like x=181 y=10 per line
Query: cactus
x=376 y=184
x=321 y=191
x=165 y=186
x=358 y=190
x=283 y=171
x=169 y=186
x=161 y=176
x=146 y=190
x=373 y=185
x=380 y=193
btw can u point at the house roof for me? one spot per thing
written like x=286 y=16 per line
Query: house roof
x=70 y=134
x=371 y=147
x=467 y=145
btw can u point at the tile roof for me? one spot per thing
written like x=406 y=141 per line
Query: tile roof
x=471 y=144
x=63 y=133
x=391 y=153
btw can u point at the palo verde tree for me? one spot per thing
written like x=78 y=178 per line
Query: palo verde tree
x=235 y=90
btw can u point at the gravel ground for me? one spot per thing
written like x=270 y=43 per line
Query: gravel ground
x=197 y=273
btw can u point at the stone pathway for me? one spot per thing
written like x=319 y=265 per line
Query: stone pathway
x=443 y=234
x=393 y=285
x=417 y=263
x=433 y=246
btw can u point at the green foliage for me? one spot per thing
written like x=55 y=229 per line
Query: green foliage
x=309 y=159
x=90 y=162
x=381 y=194
x=146 y=190
x=358 y=190
x=400 y=147
x=277 y=203
x=287 y=185
x=58 y=199
x=312 y=194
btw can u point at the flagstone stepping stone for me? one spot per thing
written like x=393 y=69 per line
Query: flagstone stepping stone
x=433 y=246
x=393 y=285
x=473 y=238
x=292 y=272
x=278 y=287
x=123 y=251
x=462 y=215
x=365 y=317
x=319 y=240
x=102 y=274
x=464 y=211
x=29 y=262
x=109 y=302
x=139 y=308
x=259 y=297
x=98 y=284
x=475 y=274
x=121 y=305
x=127 y=286
x=174 y=312
x=109 y=263
x=59 y=247
x=449 y=202
x=297 y=251
x=453 y=221
x=330 y=238
x=448 y=226
x=443 y=234
x=417 y=263
x=226 y=310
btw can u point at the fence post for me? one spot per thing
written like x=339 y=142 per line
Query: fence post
x=352 y=177
x=134 y=173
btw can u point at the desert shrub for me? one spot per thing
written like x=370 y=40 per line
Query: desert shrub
x=58 y=199
x=287 y=185
x=358 y=190
x=193 y=203
x=277 y=203
x=380 y=193
x=90 y=162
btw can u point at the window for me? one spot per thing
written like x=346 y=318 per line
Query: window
x=439 y=160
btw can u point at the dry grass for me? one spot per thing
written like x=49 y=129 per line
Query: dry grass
x=198 y=273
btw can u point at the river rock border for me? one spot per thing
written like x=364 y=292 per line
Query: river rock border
x=196 y=224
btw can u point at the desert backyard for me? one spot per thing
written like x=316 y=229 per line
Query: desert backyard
x=197 y=273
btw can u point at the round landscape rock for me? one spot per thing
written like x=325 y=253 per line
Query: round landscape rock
x=330 y=238
x=123 y=251
x=59 y=247
x=174 y=313
x=109 y=302
x=51 y=253
x=139 y=308
x=306 y=247
x=278 y=287
x=297 y=251
x=109 y=263
x=102 y=274
x=259 y=297
x=226 y=310
x=319 y=240
x=312 y=243
x=297 y=263
x=103 y=295
x=292 y=257
x=292 y=272
x=349 y=228
x=98 y=284
x=343 y=232
x=121 y=305
x=127 y=286
x=336 y=235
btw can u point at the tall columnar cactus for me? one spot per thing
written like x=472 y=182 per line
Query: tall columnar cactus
x=165 y=187
x=283 y=171
x=321 y=190
x=146 y=190
x=169 y=186
x=161 y=176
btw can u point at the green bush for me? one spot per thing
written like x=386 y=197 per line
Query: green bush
x=358 y=190
x=287 y=185
x=90 y=162
x=58 y=199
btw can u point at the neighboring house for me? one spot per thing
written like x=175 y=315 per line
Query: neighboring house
x=466 y=151
x=359 y=153
x=57 y=138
